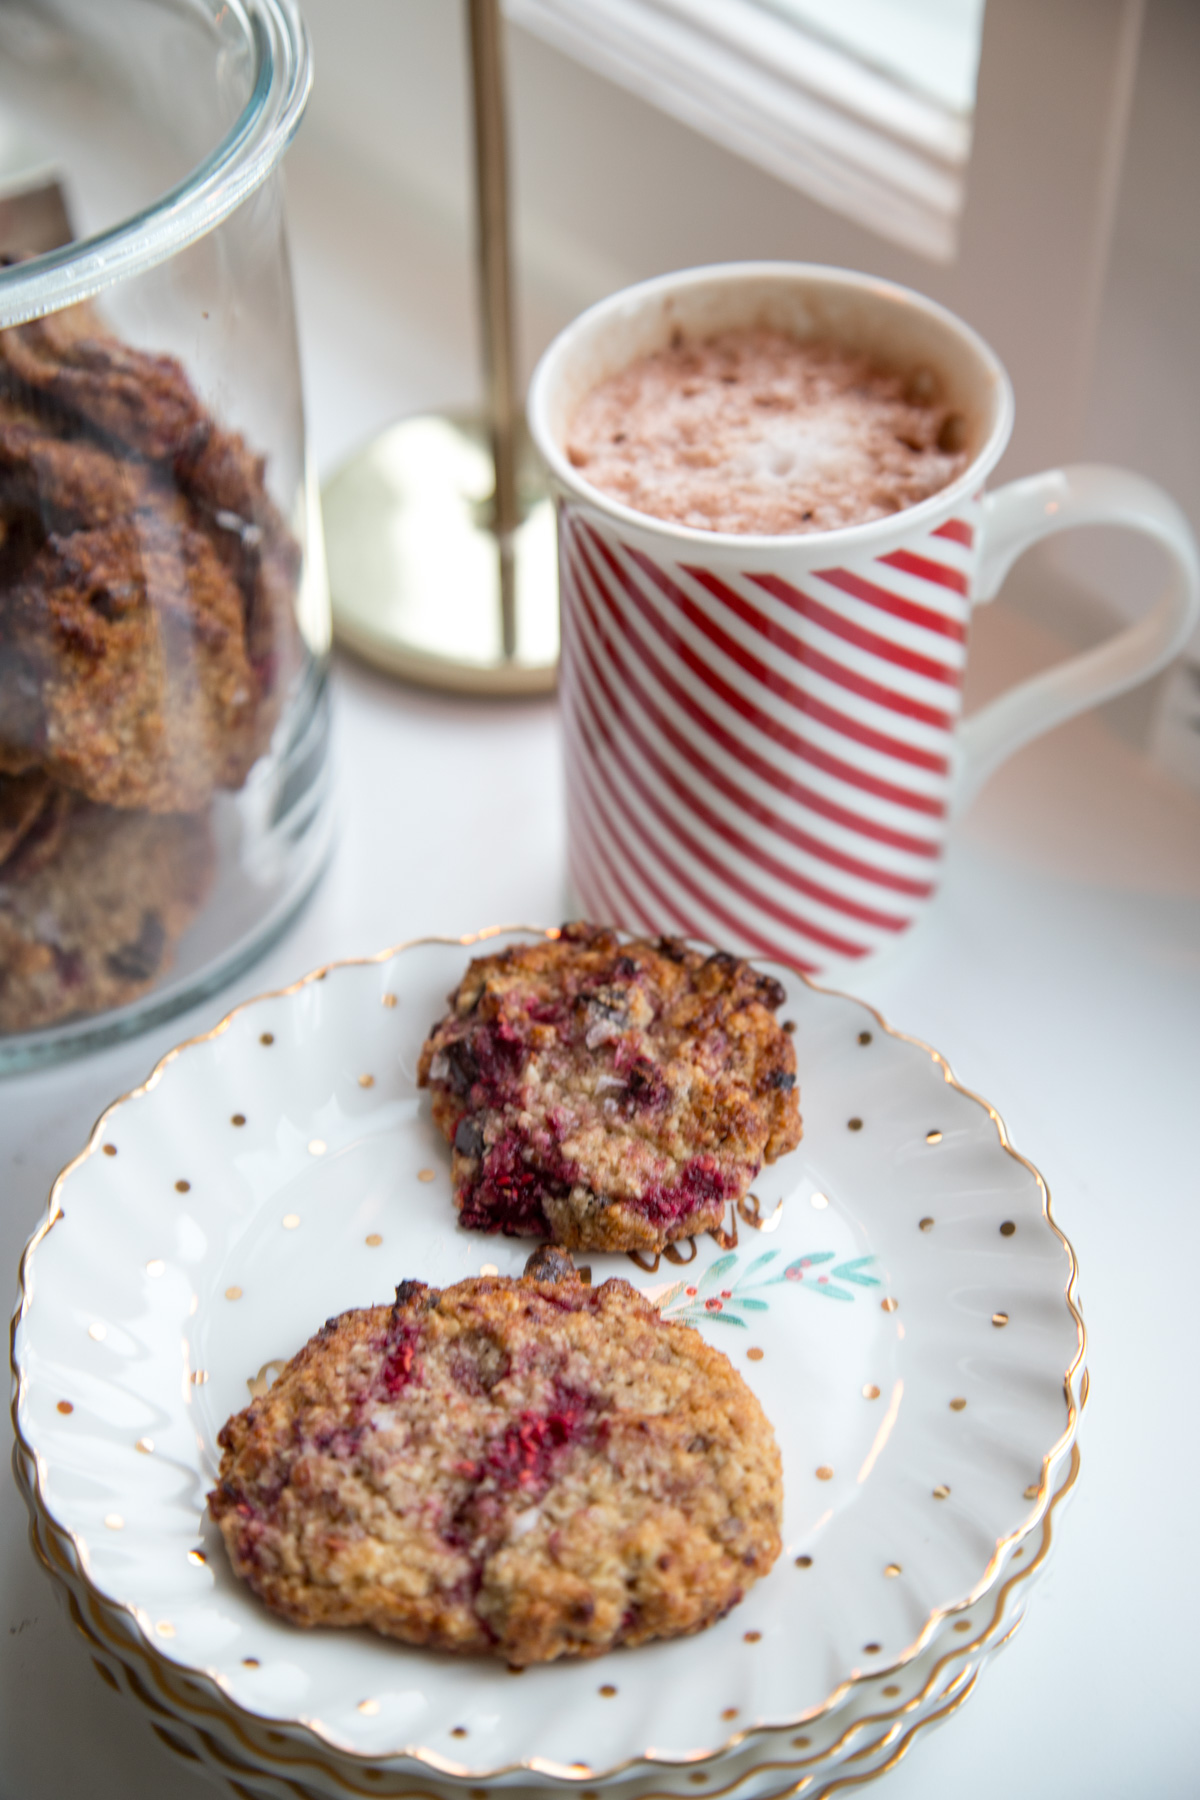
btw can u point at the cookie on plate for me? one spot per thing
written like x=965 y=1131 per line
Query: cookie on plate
x=610 y=1095
x=92 y=900
x=533 y=1468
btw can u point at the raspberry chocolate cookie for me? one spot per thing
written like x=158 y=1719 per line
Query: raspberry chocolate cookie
x=533 y=1468
x=610 y=1095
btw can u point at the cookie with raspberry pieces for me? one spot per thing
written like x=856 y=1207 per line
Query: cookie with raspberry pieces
x=609 y=1094
x=533 y=1468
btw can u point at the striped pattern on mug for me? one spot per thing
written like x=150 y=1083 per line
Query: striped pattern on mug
x=760 y=761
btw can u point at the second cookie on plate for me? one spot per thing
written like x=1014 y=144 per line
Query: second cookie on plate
x=531 y=1468
x=610 y=1095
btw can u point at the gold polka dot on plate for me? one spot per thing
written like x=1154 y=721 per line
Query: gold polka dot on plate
x=65 y=1406
x=250 y=1662
x=165 y=1628
x=999 y=1320
x=114 y=1521
x=608 y=1690
x=425 y=1174
x=389 y=999
x=199 y=1377
x=290 y=1221
x=888 y=1304
x=1007 y=1229
x=752 y=1637
x=864 y=1037
x=941 y=1492
x=962 y=1625
x=892 y=1570
x=926 y=1224
x=697 y=1776
x=957 y=1404
x=933 y=1137
x=488 y=1269
x=870 y=1392
x=366 y=1081
x=730 y=1712
x=268 y=1037
x=801 y=1743
x=854 y=1124
x=233 y=1293
x=872 y=1649
x=1032 y=1491
x=804 y=1562
x=238 y=1119
x=369 y=1707
x=458 y=1731
x=110 y=1149
x=891 y=1690
x=197 y=1558
x=374 y=1239
x=754 y=1354
x=183 y=1187
x=145 y=1445
x=824 y=1473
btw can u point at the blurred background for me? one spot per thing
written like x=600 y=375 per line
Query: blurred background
x=1025 y=161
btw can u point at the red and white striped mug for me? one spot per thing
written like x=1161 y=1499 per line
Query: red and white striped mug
x=763 y=735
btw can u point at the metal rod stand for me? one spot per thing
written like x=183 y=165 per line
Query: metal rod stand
x=440 y=534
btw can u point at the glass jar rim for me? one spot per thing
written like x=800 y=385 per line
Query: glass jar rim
x=213 y=189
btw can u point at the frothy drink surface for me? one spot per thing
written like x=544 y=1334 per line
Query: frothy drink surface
x=755 y=431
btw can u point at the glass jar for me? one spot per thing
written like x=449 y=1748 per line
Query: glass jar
x=164 y=619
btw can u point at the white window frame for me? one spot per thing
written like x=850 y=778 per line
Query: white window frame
x=810 y=113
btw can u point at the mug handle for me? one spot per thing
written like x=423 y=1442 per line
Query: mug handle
x=1017 y=516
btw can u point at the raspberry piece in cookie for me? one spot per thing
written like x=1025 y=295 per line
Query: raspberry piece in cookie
x=531 y=1468
x=610 y=1095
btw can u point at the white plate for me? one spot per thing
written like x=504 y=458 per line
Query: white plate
x=881 y=1719
x=260 y=1182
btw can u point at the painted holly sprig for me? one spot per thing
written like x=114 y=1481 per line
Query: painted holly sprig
x=713 y=1295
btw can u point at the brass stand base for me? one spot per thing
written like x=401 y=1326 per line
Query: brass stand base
x=415 y=568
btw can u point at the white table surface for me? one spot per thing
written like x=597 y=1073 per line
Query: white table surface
x=1060 y=973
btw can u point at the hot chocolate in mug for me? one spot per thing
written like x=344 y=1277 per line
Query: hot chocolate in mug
x=764 y=741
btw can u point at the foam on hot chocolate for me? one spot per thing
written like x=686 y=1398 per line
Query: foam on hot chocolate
x=755 y=431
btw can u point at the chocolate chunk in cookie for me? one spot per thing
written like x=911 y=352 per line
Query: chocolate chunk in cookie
x=531 y=1468
x=610 y=1095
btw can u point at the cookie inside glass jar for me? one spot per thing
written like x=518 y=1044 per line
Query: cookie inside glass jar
x=147 y=644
